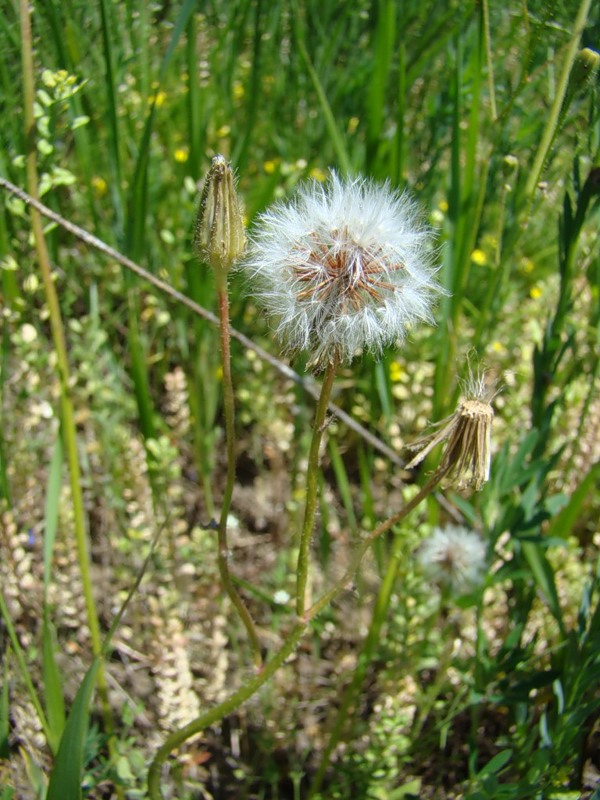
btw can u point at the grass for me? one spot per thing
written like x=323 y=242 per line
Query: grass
x=489 y=116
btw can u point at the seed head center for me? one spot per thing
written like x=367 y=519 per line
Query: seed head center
x=343 y=273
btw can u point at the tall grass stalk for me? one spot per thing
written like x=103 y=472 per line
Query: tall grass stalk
x=554 y=116
x=58 y=338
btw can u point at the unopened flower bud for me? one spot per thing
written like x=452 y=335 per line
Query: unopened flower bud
x=219 y=238
x=584 y=66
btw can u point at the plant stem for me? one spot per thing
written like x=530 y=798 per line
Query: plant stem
x=229 y=408
x=366 y=654
x=178 y=737
x=312 y=475
x=553 y=118
x=25 y=672
x=58 y=337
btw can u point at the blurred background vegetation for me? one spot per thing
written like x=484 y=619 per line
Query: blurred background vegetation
x=488 y=114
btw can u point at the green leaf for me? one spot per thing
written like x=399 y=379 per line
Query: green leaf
x=564 y=522
x=544 y=578
x=65 y=780
x=55 y=704
x=494 y=766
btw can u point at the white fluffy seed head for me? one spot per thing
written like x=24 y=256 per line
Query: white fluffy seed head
x=344 y=266
x=453 y=557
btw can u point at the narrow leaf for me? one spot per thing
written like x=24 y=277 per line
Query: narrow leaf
x=55 y=704
x=65 y=780
x=51 y=510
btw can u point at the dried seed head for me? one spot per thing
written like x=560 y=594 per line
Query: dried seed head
x=467 y=433
x=219 y=237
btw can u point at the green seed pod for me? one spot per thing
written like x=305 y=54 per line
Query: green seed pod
x=219 y=238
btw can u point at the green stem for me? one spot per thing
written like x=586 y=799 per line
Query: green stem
x=229 y=408
x=382 y=528
x=379 y=612
x=24 y=669
x=553 y=118
x=365 y=657
x=177 y=738
x=312 y=484
x=58 y=337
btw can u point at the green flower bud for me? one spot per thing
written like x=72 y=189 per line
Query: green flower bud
x=219 y=239
x=584 y=66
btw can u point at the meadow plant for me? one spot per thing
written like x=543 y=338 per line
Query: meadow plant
x=341 y=268
x=491 y=115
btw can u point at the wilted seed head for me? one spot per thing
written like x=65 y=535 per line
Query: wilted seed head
x=219 y=237
x=467 y=433
x=453 y=557
x=343 y=266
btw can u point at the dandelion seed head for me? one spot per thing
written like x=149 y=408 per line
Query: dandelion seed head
x=344 y=266
x=453 y=557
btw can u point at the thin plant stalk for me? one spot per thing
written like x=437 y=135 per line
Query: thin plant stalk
x=229 y=409
x=58 y=337
x=24 y=669
x=245 y=692
x=312 y=486
x=365 y=657
x=553 y=119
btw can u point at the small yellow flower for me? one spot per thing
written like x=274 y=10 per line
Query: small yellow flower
x=526 y=265
x=223 y=132
x=270 y=167
x=498 y=347
x=396 y=372
x=479 y=257
x=318 y=174
x=443 y=206
x=99 y=185
x=535 y=292
x=238 y=90
x=160 y=99
x=353 y=124
x=182 y=154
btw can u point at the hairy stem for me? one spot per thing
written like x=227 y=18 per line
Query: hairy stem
x=229 y=408
x=312 y=485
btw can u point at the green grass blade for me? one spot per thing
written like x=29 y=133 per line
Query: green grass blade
x=383 y=47
x=65 y=780
x=51 y=510
x=544 y=578
x=343 y=483
x=23 y=667
x=563 y=524
x=336 y=137
x=53 y=694
x=4 y=724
